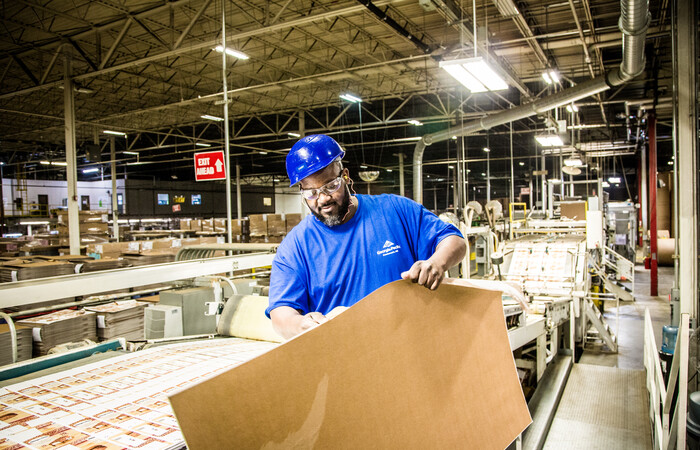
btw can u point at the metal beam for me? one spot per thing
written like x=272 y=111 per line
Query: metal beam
x=28 y=292
x=194 y=20
x=26 y=70
x=71 y=158
x=116 y=43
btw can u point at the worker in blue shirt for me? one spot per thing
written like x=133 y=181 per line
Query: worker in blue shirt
x=350 y=245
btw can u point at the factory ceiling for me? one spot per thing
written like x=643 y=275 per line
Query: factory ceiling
x=149 y=69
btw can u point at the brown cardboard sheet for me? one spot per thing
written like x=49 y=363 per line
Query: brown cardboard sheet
x=404 y=368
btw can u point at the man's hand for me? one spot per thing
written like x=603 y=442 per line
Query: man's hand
x=288 y=322
x=426 y=273
x=311 y=320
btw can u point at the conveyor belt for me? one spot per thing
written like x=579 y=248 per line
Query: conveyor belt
x=118 y=403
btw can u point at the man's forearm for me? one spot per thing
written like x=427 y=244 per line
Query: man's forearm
x=449 y=252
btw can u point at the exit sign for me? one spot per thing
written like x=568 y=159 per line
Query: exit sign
x=209 y=166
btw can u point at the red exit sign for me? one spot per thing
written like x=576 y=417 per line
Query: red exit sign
x=209 y=166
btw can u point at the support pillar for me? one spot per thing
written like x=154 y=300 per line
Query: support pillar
x=113 y=169
x=227 y=149
x=71 y=159
x=653 y=235
x=402 y=184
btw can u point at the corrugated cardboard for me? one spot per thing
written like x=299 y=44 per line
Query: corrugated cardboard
x=404 y=368
x=573 y=210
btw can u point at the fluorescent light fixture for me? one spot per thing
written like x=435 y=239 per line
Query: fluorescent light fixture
x=351 y=98
x=615 y=180
x=46 y=163
x=521 y=163
x=549 y=140
x=486 y=149
x=126 y=152
x=389 y=170
x=550 y=76
x=202 y=144
x=574 y=161
x=475 y=74
x=483 y=174
x=262 y=152
x=276 y=180
x=415 y=122
x=210 y=117
x=554 y=181
x=91 y=170
x=53 y=163
x=572 y=108
x=294 y=135
x=469 y=170
x=670 y=163
x=38 y=222
x=454 y=138
x=231 y=52
x=407 y=139
x=362 y=166
x=450 y=167
x=114 y=133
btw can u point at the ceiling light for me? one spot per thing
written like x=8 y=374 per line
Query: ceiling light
x=276 y=180
x=549 y=140
x=475 y=74
x=554 y=181
x=670 y=163
x=483 y=174
x=210 y=117
x=351 y=98
x=572 y=108
x=454 y=138
x=231 y=52
x=262 y=152
x=294 y=135
x=521 y=163
x=605 y=184
x=450 y=167
x=53 y=163
x=486 y=149
x=550 y=76
x=389 y=170
x=362 y=166
x=574 y=161
x=415 y=122
x=130 y=153
x=46 y=163
x=469 y=170
x=115 y=133
x=202 y=144
x=91 y=170
x=615 y=179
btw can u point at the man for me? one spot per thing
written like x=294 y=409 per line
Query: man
x=351 y=245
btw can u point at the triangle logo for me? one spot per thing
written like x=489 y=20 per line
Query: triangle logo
x=388 y=244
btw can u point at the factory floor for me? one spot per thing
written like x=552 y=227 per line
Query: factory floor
x=604 y=404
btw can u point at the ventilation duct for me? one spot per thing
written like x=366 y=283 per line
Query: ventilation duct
x=634 y=22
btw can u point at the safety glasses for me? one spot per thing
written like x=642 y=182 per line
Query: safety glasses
x=328 y=188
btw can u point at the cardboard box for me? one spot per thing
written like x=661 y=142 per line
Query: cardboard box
x=276 y=225
x=411 y=368
x=573 y=210
x=258 y=224
x=292 y=221
x=208 y=225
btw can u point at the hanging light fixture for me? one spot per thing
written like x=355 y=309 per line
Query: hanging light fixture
x=475 y=74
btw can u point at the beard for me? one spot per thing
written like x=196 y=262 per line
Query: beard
x=332 y=220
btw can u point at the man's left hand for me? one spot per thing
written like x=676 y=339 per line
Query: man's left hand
x=426 y=273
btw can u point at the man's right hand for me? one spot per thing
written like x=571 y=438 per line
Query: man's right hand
x=288 y=322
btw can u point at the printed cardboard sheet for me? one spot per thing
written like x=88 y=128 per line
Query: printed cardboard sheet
x=404 y=368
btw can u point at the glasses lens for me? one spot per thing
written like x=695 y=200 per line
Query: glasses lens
x=328 y=189
x=309 y=194
x=332 y=186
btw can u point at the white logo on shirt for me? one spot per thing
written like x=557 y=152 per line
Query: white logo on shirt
x=389 y=248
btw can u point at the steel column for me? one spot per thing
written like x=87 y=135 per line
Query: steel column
x=402 y=185
x=71 y=159
x=113 y=168
x=227 y=149
x=653 y=237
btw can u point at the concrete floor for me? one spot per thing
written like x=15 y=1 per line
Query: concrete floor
x=605 y=404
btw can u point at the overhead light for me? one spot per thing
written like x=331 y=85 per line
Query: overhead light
x=362 y=166
x=483 y=174
x=53 y=163
x=202 y=144
x=351 y=98
x=91 y=170
x=521 y=163
x=294 y=135
x=450 y=167
x=574 y=161
x=415 y=122
x=35 y=222
x=550 y=76
x=115 y=133
x=486 y=149
x=130 y=153
x=210 y=117
x=549 y=140
x=670 y=163
x=554 y=181
x=469 y=170
x=262 y=152
x=276 y=180
x=454 y=138
x=407 y=139
x=572 y=108
x=605 y=184
x=475 y=74
x=615 y=179
x=389 y=170
x=231 y=52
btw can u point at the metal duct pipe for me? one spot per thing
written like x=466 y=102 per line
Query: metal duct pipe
x=634 y=22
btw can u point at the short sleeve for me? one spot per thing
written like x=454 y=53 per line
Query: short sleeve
x=427 y=228
x=286 y=287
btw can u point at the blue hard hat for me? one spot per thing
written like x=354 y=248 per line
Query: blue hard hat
x=311 y=154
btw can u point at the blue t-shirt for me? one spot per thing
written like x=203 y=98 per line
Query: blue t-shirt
x=318 y=267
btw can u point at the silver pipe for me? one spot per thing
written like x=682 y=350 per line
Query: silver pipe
x=634 y=22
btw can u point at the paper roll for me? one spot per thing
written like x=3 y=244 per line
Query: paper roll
x=665 y=251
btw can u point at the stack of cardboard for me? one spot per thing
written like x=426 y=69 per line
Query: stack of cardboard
x=91 y=223
x=292 y=220
x=8 y=247
x=240 y=229
x=94 y=265
x=276 y=225
x=22 y=269
x=147 y=257
x=24 y=344
x=60 y=327
x=258 y=227
x=120 y=319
